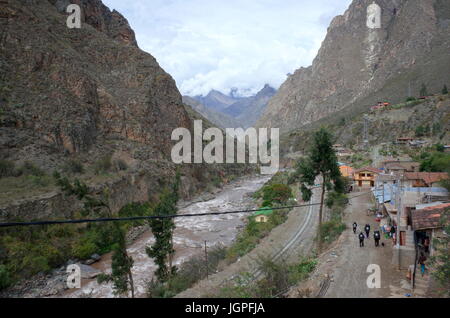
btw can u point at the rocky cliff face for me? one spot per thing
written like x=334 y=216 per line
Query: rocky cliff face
x=356 y=66
x=70 y=89
x=83 y=94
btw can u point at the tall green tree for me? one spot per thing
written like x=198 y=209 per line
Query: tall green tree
x=121 y=275
x=423 y=90
x=162 y=228
x=440 y=262
x=320 y=162
x=445 y=90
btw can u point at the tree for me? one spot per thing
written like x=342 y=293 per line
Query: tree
x=320 y=162
x=435 y=162
x=445 y=90
x=121 y=265
x=276 y=193
x=420 y=131
x=440 y=262
x=162 y=228
x=423 y=90
x=121 y=275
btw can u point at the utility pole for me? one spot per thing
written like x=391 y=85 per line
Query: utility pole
x=399 y=211
x=366 y=130
x=206 y=262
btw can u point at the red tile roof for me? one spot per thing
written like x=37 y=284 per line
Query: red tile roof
x=429 y=218
x=374 y=170
x=427 y=177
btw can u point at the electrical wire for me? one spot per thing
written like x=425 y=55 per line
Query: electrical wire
x=140 y=218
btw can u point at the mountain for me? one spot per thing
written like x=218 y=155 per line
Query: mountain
x=232 y=111
x=356 y=66
x=216 y=100
x=248 y=110
x=90 y=96
x=218 y=118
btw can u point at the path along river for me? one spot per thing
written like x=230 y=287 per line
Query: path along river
x=189 y=237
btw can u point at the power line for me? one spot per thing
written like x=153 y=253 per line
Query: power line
x=140 y=218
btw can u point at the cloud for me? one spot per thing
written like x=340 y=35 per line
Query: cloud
x=218 y=44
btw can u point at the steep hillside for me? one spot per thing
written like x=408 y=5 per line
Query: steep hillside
x=356 y=66
x=216 y=117
x=248 y=110
x=384 y=127
x=80 y=101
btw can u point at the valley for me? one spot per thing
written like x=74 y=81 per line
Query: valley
x=89 y=122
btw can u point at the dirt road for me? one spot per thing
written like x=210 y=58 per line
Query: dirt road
x=349 y=272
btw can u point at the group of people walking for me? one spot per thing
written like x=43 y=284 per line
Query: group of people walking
x=362 y=237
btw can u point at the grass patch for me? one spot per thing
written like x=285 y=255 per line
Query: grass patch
x=278 y=278
x=253 y=233
x=73 y=166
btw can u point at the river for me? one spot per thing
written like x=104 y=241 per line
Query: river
x=189 y=236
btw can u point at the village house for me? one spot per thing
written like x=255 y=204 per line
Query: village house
x=399 y=196
x=365 y=177
x=380 y=106
x=400 y=166
x=383 y=188
x=341 y=151
x=403 y=140
x=424 y=179
x=427 y=224
x=346 y=171
x=262 y=216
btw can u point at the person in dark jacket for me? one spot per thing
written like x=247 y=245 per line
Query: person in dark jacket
x=355 y=225
x=367 y=229
x=392 y=232
x=361 y=239
x=377 y=237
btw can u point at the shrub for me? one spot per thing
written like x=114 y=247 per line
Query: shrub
x=420 y=131
x=6 y=168
x=103 y=165
x=30 y=169
x=73 y=166
x=40 y=181
x=120 y=165
x=278 y=277
x=410 y=99
x=33 y=264
x=331 y=230
x=436 y=162
x=5 y=279
x=84 y=249
x=440 y=148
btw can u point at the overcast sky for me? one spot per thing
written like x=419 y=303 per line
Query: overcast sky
x=222 y=44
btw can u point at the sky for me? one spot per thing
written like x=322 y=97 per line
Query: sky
x=226 y=44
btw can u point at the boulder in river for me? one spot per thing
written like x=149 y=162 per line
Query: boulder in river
x=88 y=272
